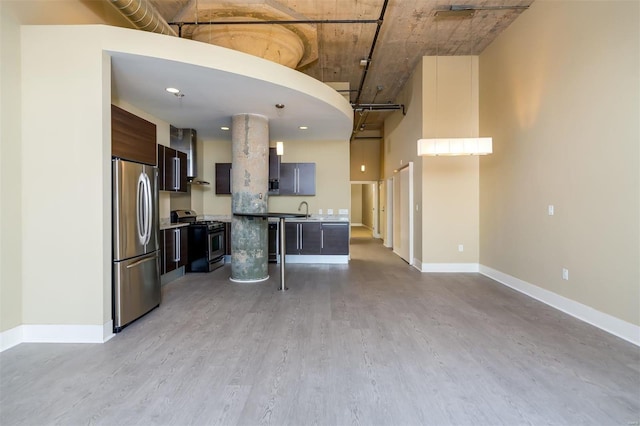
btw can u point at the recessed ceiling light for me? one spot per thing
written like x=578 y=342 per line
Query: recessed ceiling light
x=303 y=127
x=224 y=128
x=172 y=90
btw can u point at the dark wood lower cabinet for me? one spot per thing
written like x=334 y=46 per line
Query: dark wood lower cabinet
x=335 y=238
x=175 y=248
x=317 y=238
x=303 y=238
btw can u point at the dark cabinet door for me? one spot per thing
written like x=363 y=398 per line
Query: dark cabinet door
x=335 y=238
x=172 y=169
x=175 y=248
x=291 y=240
x=223 y=178
x=306 y=179
x=160 y=161
x=169 y=250
x=310 y=237
x=181 y=171
x=297 y=179
x=169 y=177
x=287 y=179
x=184 y=247
x=132 y=138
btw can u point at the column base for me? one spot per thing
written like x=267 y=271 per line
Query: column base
x=259 y=280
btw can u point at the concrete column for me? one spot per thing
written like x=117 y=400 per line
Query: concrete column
x=250 y=180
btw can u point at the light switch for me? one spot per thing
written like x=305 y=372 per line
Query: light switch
x=329 y=211
x=319 y=211
x=551 y=209
x=460 y=247
x=565 y=274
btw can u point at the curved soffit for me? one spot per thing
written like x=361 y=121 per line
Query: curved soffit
x=218 y=83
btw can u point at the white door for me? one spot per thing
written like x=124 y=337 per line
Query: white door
x=396 y=214
x=388 y=228
x=405 y=210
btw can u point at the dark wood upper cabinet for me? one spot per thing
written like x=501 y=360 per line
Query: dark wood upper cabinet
x=223 y=178
x=297 y=179
x=132 y=138
x=172 y=169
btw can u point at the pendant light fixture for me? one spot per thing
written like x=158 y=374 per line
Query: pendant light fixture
x=456 y=146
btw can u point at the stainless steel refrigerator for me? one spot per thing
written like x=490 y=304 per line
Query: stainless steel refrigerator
x=136 y=252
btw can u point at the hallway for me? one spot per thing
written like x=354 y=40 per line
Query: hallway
x=374 y=342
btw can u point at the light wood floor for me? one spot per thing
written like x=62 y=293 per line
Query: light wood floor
x=372 y=343
x=360 y=232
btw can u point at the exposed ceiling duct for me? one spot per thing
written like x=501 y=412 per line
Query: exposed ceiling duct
x=143 y=15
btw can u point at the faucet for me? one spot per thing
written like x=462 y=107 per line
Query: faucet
x=307 y=210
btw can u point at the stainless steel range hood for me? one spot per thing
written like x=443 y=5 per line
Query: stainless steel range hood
x=185 y=140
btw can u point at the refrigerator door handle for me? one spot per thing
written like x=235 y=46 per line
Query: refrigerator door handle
x=141 y=199
x=148 y=209
x=139 y=262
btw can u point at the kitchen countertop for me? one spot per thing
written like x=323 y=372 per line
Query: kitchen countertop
x=164 y=226
x=313 y=218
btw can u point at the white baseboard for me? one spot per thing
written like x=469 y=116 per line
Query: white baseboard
x=449 y=267
x=11 y=338
x=356 y=224
x=417 y=264
x=34 y=333
x=606 y=322
x=326 y=259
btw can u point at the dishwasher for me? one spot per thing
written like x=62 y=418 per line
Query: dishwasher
x=273 y=242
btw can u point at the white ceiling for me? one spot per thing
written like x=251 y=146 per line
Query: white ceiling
x=212 y=97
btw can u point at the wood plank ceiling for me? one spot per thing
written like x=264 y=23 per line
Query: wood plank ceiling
x=408 y=31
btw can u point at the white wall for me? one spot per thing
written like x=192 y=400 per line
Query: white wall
x=446 y=190
x=356 y=203
x=450 y=185
x=560 y=94
x=66 y=139
x=10 y=172
x=401 y=133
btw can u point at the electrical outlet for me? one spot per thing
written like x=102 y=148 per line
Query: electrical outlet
x=551 y=210
x=319 y=211
x=565 y=274
x=343 y=211
x=329 y=211
x=460 y=247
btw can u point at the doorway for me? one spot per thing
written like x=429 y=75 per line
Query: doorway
x=364 y=217
x=402 y=194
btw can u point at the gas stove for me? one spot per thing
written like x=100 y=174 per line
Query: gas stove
x=207 y=241
x=211 y=225
x=191 y=217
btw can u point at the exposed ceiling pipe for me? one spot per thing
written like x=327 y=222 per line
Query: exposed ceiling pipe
x=281 y=22
x=143 y=16
x=373 y=46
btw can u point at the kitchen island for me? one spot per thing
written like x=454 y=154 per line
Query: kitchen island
x=281 y=217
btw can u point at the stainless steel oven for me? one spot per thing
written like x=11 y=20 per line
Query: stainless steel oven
x=216 y=237
x=206 y=245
